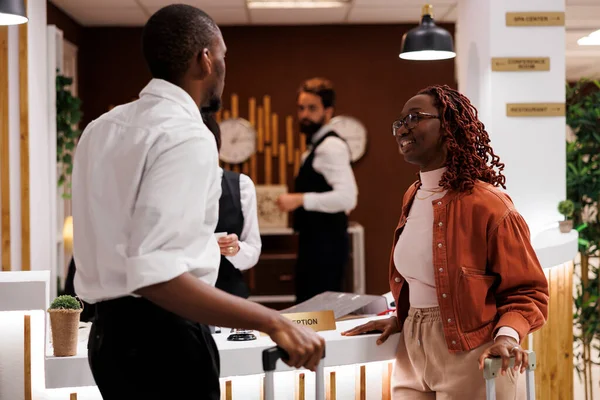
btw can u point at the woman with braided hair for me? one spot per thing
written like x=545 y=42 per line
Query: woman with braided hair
x=466 y=280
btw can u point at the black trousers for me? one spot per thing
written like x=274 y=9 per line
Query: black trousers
x=138 y=350
x=322 y=259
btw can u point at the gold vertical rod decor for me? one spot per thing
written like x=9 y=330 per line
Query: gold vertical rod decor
x=73 y=396
x=330 y=389
x=235 y=168
x=289 y=133
x=219 y=116
x=4 y=152
x=386 y=381
x=282 y=165
x=260 y=132
x=24 y=146
x=301 y=387
x=267 y=116
x=361 y=384
x=27 y=393
x=268 y=166
x=253 y=169
x=302 y=143
x=245 y=168
x=275 y=134
x=296 y=161
x=226 y=115
x=228 y=391
x=235 y=106
x=252 y=111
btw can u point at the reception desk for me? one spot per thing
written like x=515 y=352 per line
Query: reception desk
x=355 y=367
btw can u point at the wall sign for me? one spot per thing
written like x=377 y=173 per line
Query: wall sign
x=535 y=110
x=537 y=18
x=521 y=64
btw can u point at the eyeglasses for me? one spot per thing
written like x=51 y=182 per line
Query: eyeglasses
x=410 y=121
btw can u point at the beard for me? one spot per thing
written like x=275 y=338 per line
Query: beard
x=309 y=128
x=214 y=105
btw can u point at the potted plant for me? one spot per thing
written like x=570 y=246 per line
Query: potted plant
x=566 y=208
x=64 y=323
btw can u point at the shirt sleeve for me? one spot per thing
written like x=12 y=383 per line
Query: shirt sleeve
x=508 y=331
x=522 y=295
x=332 y=160
x=249 y=241
x=172 y=212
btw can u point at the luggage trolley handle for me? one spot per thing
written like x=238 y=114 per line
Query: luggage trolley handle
x=269 y=361
x=491 y=370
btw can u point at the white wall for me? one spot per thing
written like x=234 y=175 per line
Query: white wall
x=39 y=163
x=533 y=149
x=42 y=189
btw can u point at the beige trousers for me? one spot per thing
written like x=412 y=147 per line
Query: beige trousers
x=425 y=370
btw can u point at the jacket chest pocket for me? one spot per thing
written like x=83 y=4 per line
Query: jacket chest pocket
x=476 y=299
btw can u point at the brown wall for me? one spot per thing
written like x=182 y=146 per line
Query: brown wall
x=372 y=84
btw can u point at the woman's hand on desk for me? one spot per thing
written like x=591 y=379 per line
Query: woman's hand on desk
x=386 y=327
x=229 y=245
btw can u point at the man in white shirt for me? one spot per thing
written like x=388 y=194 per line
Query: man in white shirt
x=145 y=205
x=326 y=193
x=238 y=218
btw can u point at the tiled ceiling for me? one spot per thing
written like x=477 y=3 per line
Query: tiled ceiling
x=582 y=17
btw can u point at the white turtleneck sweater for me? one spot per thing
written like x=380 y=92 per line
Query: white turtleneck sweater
x=413 y=255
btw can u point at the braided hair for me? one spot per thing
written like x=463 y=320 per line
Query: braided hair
x=469 y=157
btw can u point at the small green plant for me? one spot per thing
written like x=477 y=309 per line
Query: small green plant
x=566 y=208
x=65 y=302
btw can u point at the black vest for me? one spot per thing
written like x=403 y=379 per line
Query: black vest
x=310 y=181
x=231 y=220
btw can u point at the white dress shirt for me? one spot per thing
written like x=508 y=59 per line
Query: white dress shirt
x=249 y=241
x=146 y=194
x=332 y=160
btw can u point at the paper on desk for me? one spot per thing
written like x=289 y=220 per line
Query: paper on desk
x=342 y=304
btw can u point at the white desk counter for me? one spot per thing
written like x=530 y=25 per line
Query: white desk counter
x=237 y=358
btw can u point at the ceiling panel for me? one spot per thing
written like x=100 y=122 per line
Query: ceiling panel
x=403 y=3
x=101 y=16
x=298 y=16
x=583 y=16
x=381 y=14
x=157 y=4
x=114 y=4
x=222 y=16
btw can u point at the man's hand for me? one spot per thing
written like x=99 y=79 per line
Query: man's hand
x=304 y=347
x=506 y=347
x=229 y=245
x=290 y=201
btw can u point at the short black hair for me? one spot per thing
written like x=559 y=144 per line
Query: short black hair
x=172 y=36
x=321 y=87
x=212 y=125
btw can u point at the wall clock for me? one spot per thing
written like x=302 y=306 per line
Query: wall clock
x=353 y=131
x=238 y=140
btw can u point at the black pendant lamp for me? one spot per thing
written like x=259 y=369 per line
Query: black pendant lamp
x=12 y=12
x=427 y=41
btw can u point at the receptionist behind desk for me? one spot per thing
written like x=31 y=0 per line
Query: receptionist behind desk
x=241 y=247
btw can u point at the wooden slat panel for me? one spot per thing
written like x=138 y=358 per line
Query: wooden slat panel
x=24 y=146
x=27 y=392
x=553 y=343
x=4 y=152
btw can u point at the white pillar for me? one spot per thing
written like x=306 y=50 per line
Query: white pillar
x=533 y=148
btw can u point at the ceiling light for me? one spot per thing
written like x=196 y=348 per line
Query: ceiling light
x=12 y=12
x=427 y=41
x=593 y=39
x=296 y=3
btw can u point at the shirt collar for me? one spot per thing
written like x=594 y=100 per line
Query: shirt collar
x=320 y=133
x=166 y=90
